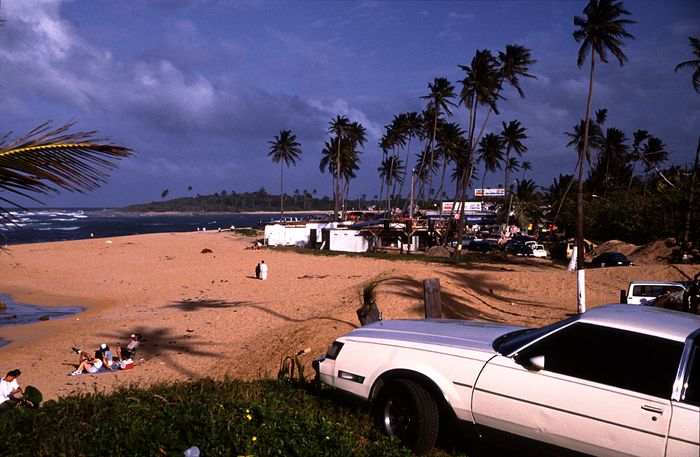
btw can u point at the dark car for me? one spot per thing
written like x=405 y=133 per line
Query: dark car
x=520 y=249
x=610 y=259
x=482 y=246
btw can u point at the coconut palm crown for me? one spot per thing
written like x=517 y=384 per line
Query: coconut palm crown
x=285 y=150
x=693 y=64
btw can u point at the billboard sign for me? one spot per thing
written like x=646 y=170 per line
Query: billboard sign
x=468 y=206
x=498 y=192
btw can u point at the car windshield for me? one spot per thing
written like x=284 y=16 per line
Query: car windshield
x=511 y=342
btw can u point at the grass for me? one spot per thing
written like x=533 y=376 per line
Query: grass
x=231 y=418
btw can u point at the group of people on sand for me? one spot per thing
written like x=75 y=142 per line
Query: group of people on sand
x=103 y=359
x=261 y=271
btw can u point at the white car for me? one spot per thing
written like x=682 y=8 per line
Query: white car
x=645 y=292
x=538 y=250
x=616 y=380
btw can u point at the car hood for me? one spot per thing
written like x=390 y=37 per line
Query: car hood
x=444 y=332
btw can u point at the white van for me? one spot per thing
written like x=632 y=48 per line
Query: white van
x=643 y=292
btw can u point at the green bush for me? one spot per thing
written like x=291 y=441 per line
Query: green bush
x=231 y=418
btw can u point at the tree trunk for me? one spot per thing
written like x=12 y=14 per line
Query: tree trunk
x=691 y=197
x=581 y=254
x=336 y=187
x=281 y=189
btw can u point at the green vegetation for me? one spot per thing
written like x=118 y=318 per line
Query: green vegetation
x=234 y=202
x=219 y=417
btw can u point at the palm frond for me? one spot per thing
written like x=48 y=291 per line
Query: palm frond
x=46 y=160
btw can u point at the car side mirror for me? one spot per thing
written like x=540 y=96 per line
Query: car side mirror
x=535 y=363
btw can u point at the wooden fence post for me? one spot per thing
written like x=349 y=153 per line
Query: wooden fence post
x=431 y=296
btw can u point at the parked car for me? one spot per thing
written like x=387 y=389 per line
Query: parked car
x=538 y=250
x=482 y=246
x=527 y=249
x=610 y=259
x=465 y=240
x=615 y=380
x=645 y=292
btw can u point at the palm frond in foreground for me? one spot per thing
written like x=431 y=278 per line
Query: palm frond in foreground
x=46 y=160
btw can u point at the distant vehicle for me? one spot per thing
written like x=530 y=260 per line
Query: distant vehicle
x=610 y=259
x=527 y=248
x=482 y=246
x=538 y=250
x=465 y=241
x=616 y=380
x=645 y=292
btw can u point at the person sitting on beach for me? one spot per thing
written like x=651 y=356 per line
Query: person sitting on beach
x=88 y=365
x=106 y=355
x=10 y=391
x=130 y=349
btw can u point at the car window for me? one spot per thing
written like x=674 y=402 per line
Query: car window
x=620 y=358
x=692 y=384
x=649 y=290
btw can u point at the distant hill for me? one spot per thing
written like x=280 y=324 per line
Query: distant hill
x=240 y=202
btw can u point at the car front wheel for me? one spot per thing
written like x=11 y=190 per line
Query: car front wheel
x=405 y=410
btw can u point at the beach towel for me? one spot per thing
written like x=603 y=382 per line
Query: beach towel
x=102 y=370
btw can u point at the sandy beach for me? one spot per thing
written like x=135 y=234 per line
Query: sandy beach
x=205 y=314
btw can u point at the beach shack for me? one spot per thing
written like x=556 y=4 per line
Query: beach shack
x=323 y=235
x=299 y=235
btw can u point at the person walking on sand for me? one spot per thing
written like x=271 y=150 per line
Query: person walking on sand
x=257 y=271
x=263 y=270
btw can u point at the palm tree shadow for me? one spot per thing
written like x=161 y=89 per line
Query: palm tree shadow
x=188 y=305
x=164 y=345
x=192 y=305
x=453 y=305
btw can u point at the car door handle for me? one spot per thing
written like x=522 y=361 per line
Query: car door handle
x=652 y=409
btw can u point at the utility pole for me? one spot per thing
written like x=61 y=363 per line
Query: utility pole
x=410 y=208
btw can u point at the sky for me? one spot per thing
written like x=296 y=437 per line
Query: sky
x=197 y=88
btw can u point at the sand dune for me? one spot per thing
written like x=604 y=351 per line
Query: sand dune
x=205 y=314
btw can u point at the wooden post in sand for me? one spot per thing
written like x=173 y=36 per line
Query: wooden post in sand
x=431 y=296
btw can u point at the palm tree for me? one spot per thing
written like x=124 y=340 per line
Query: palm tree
x=600 y=32
x=439 y=100
x=653 y=154
x=526 y=206
x=411 y=126
x=513 y=135
x=613 y=156
x=639 y=137
x=526 y=166
x=285 y=150
x=46 y=160
x=693 y=64
x=490 y=153
x=450 y=142
x=390 y=171
x=338 y=127
x=356 y=137
x=515 y=62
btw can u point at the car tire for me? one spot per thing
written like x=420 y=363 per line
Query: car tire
x=406 y=411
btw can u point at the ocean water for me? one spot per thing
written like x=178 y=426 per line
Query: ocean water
x=42 y=225
x=19 y=313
